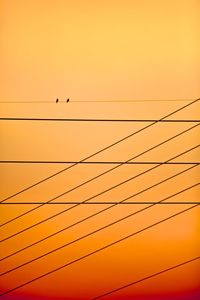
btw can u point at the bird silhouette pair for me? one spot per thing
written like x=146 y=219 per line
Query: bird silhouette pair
x=57 y=100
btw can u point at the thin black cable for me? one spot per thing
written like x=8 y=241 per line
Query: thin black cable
x=97 y=162
x=90 y=198
x=23 y=214
x=97 y=101
x=96 y=251
x=145 y=278
x=97 y=213
x=95 y=120
x=92 y=155
x=98 y=176
x=67 y=168
x=96 y=203
x=94 y=232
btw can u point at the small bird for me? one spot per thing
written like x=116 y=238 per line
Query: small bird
x=57 y=100
x=67 y=100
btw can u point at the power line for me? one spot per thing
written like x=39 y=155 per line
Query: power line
x=94 y=232
x=96 y=251
x=67 y=168
x=97 y=203
x=94 y=195
x=95 y=177
x=98 y=152
x=90 y=198
x=94 y=101
x=98 y=120
x=99 y=212
x=146 y=278
x=17 y=217
x=97 y=162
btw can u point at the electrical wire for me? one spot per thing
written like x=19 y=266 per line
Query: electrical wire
x=98 y=176
x=99 y=212
x=98 y=152
x=146 y=278
x=96 y=251
x=95 y=231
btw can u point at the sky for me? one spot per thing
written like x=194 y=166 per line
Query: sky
x=115 y=60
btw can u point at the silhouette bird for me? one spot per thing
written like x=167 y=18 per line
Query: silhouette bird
x=67 y=100
x=57 y=100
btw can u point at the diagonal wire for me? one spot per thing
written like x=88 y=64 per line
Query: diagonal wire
x=101 y=174
x=97 y=213
x=69 y=167
x=96 y=251
x=94 y=154
x=146 y=278
x=103 y=192
x=96 y=231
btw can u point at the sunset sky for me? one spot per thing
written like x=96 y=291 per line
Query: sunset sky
x=115 y=60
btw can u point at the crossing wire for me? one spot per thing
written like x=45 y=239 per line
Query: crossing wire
x=96 y=251
x=96 y=231
x=98 y=176
x=98 y=152
x=99 y=212
x=111 y=188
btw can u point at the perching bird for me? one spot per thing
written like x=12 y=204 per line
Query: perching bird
x=67 y=100
x=57 y=100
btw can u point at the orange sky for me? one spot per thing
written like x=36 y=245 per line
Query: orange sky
x=99 y=50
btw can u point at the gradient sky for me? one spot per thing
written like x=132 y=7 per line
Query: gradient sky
x=89 y=51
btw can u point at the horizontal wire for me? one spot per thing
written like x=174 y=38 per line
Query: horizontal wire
x=95 y=231
x=98 y=202
x=93 y=178
x=90 y=198
x=96 y=153
x=67 y=168
x=98 y=101
x=97 y=162
x=86 y=200
x=33 y=209
x=96 y=251
x=146 y=278
x=98 y=120
x=92 y=233
x=101 y=211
